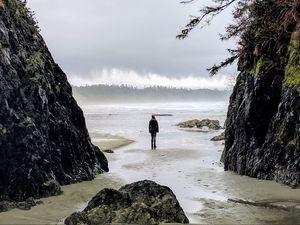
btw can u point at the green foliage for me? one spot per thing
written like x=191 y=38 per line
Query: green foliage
x=21 y=11
x=37 y=60
x=266 y=66
x=262 y=66
x=292 y=72
x=261 y=27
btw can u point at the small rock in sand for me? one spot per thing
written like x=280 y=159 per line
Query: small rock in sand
x=108 y=151
x=220 y=137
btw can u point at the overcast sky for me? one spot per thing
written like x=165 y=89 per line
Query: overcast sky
x=132 y=42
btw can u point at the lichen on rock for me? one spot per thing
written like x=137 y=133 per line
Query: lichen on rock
x=264 y=110
x=292 y=74
x=206 y=123
x=44 y=142
x=143 y=202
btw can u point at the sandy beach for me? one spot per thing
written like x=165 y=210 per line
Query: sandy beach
x=107 y=141
x=75 y=197
x=204 y=190
x=187 y=162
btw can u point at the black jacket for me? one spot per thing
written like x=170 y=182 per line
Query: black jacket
x=153 y=126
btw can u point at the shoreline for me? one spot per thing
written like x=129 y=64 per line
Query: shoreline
x=203 y=199
x=106 y=141
x=75 y=197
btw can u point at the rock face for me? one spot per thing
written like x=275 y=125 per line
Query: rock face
x=261 y=137
x=210 y=124
x=143 y=202
x=44 y=142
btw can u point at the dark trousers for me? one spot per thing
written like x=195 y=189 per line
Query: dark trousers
x=153 y=140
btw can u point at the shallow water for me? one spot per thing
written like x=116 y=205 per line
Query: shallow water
x=56 y=208
x=188 y=162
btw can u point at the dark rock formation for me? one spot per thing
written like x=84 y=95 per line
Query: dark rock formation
x=261 y=137
x=220 y=137
x=44 y=142
x=210 y=124
x=25 y=205
x=143 y=202
x=108 y=151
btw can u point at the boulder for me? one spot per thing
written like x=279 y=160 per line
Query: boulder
x=201 y=124
x=188 y=124
x=143 y=202
x=220 y=137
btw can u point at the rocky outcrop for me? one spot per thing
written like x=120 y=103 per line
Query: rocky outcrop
x=261 y=136
x=24 y=205
x=44 y=142
x=143 y=202
x=206 y=123
x=220 y=137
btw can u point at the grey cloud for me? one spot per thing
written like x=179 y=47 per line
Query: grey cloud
x=135 y=35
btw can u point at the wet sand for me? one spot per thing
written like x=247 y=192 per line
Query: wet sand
x=75 y=197
x=56 y=208
x=203 y=188
x=195 y=176
x=107 y=141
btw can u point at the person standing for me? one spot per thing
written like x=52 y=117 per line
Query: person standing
x=153 y=130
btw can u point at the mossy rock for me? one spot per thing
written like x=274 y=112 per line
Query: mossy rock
x=37 y=60
x=143 y=202
x=210 y=124
x=292 y=71
x=267 y=67
x=220 y=137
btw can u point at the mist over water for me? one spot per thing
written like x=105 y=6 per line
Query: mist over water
x=114 y=94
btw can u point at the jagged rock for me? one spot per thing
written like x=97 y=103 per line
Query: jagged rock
x=51 y=187
x=210 y=124
x=7 y=205
x=261 y=137
x=44 y=142
x=188 y=124
x=25 y=205
x=220 y=137
x=143 y=202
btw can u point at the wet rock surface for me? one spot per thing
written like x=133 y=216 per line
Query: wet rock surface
x=220 y=137
x=25 y=205
x=261 y=138
x=143 y=202
x=206 y=123
x=44 y=142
